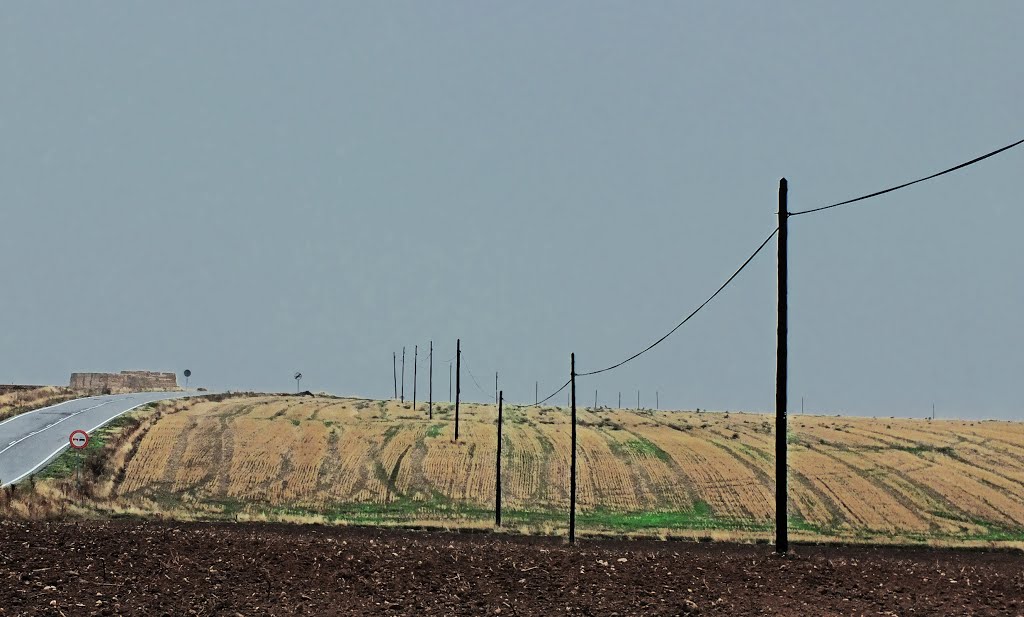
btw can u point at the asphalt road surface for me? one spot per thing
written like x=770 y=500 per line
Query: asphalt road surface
x=31 y=440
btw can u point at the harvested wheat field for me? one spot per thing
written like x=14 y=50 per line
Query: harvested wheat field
x=672 y=474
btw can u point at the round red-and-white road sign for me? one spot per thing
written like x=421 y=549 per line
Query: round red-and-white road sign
x=79 y=439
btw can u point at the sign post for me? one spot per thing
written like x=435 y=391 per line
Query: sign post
x=187 y=374
x=78 y=439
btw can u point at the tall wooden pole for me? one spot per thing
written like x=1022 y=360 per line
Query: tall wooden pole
x=403 y=374
x=449 y=382
x=781 y=360
x=572 y=471
x=394 y=370
x=415 y=366
x=430 y=379
x=536 y=392
x=458 y=390
x=497 y=478
x=495 y=387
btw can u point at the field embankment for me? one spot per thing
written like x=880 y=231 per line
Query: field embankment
x=685 y=474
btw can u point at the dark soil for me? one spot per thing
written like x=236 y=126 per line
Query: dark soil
x=139 y=568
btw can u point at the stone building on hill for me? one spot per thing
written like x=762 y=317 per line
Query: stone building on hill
x=123 y=381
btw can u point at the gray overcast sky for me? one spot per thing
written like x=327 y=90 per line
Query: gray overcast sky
x=247 y=189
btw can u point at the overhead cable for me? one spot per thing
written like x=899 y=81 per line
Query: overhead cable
x=906 y=184
x=688 y=317
x=550 y=396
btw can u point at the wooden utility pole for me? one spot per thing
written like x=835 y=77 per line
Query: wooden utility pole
x=638 y=400
x=394 y=371
x=657 y=400
x=403 y=374
x=430 y=379
x=781 y=361
x=572 y=471
x=536 y=392
x=449 y=382
x=497 y=477
x=415 y=367
x=458 y=390
x=620 y=401
x=595 y=400
x=495 y=387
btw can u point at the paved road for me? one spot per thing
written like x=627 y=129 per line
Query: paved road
x=30 y=440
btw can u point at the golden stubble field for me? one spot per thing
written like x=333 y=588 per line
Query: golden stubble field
x=381 y=461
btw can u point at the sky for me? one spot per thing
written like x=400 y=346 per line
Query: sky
x=250 y=189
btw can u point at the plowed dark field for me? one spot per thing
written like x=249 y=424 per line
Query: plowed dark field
x=130 y=567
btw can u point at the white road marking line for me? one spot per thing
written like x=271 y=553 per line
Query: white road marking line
x=61 y=449
x=17 y=441
x=28 y=413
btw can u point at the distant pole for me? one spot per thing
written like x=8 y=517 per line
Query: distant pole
x=620 y=401
x=497 y=467
x=495 y=387
x=572 y=471
x=657 y=401
x=933 y=411
x=415 y=366
x=458 y=389
x=595 y=400
x=403 y=374
x=449 y=382
x=430 y=378
x=801 y=405
x=536 y=392
x=781 y=469
x=394 y=370
x=638 y=400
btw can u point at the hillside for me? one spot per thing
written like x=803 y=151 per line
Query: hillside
x=671 y=473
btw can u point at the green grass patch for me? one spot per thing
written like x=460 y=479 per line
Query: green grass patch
x=390 y=433
x=434 y=430
x=639 y=447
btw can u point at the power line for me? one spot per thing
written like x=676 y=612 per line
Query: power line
x=906 y=184
x=475 y=382
x=551 y=396
x=688 y=317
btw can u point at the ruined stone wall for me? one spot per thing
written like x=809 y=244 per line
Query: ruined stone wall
x=125 y=380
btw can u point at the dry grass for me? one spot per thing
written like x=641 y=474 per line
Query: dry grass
x=19 y=401
x=668 y=474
